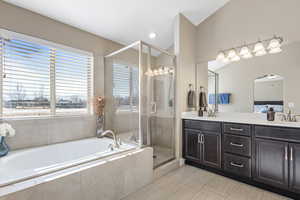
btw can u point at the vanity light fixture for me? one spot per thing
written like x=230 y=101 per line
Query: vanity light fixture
x=159 y=71
x=273 y=46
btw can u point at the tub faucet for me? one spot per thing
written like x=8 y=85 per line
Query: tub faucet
x=116 y=143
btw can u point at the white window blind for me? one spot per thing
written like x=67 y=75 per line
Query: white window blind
x=26 y=78
x=72 y=78
x=38 y=79
x=125 y=86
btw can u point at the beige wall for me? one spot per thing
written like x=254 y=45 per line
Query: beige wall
x=238 y=78
x=185 y=50
x=242 y=21
x=23 y=21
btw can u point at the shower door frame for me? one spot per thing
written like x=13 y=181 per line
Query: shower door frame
x=140 y=45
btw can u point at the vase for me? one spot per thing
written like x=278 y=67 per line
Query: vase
x=3 y=147
x=99 y=125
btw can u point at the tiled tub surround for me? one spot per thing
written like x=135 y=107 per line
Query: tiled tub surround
x=40 y=131
x=28 y=163
x=111 y=177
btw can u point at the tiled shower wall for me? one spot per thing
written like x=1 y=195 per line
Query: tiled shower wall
x=45 y=131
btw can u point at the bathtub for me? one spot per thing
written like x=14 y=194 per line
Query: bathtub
x=26 y=164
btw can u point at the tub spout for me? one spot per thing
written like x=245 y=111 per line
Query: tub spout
x=116 y=143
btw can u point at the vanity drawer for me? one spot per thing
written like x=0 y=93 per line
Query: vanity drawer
x=237 y=165
x=237 y=144
x=280 y=133
x=237 y=129
x=202 y=125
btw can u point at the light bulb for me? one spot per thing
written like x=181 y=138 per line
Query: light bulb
x=166 y=70
x=259 y=47
x=220 y=56
x=245 y=52
x=149 y=72
x=236 y=58
x=160 y=71
x=226 y=60
x=261 y=52
x=274 y=43
x=275 y=50
x=232 y=54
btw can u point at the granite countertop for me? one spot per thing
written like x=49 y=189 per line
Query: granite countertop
x=244 y=118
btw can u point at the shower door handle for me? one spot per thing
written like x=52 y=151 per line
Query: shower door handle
x=153 y=107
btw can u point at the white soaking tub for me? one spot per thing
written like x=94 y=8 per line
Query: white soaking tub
x=25 y=164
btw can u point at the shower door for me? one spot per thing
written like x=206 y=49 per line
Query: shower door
x=158 y=97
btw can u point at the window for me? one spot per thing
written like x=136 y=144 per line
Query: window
x=125 y=87
x=41 y=78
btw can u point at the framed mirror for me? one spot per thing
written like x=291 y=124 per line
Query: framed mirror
x=268 y=93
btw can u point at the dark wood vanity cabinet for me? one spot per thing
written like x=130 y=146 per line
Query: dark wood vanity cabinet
x=237 y=149
x=265 y=156
x=202 y=142
x=211 y=149
x=295 y=167
x=277 y=157
x=192 y=145
x=271 y=162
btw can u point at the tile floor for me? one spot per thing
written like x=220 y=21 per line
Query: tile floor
x=190 y=183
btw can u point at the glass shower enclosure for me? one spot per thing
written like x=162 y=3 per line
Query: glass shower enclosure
x=140 y=98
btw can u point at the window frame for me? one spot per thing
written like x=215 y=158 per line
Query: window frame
x=5 y=34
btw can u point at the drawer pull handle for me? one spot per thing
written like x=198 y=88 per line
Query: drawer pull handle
x=236 y=145
x=237 y=129
x=236 y=165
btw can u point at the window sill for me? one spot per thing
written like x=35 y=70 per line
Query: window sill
x=45 y=117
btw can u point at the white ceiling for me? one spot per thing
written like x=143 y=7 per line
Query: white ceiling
x=124 y=21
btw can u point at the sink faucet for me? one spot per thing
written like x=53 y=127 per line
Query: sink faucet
x=116 y=143
x=289 y=117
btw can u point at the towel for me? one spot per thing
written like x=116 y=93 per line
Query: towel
x=202 y=100
x=224 y=98
x=191 y=99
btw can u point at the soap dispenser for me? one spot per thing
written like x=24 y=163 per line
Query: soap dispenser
x=271 y=114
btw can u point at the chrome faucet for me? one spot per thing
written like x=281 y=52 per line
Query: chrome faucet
x=289 y=117
x=116 y=142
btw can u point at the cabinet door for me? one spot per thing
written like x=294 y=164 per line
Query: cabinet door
x=211 y=148
x=295 y=167
x=271 y=162
x=192 y=145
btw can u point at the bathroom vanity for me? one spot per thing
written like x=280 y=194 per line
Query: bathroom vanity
x=265 y=154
